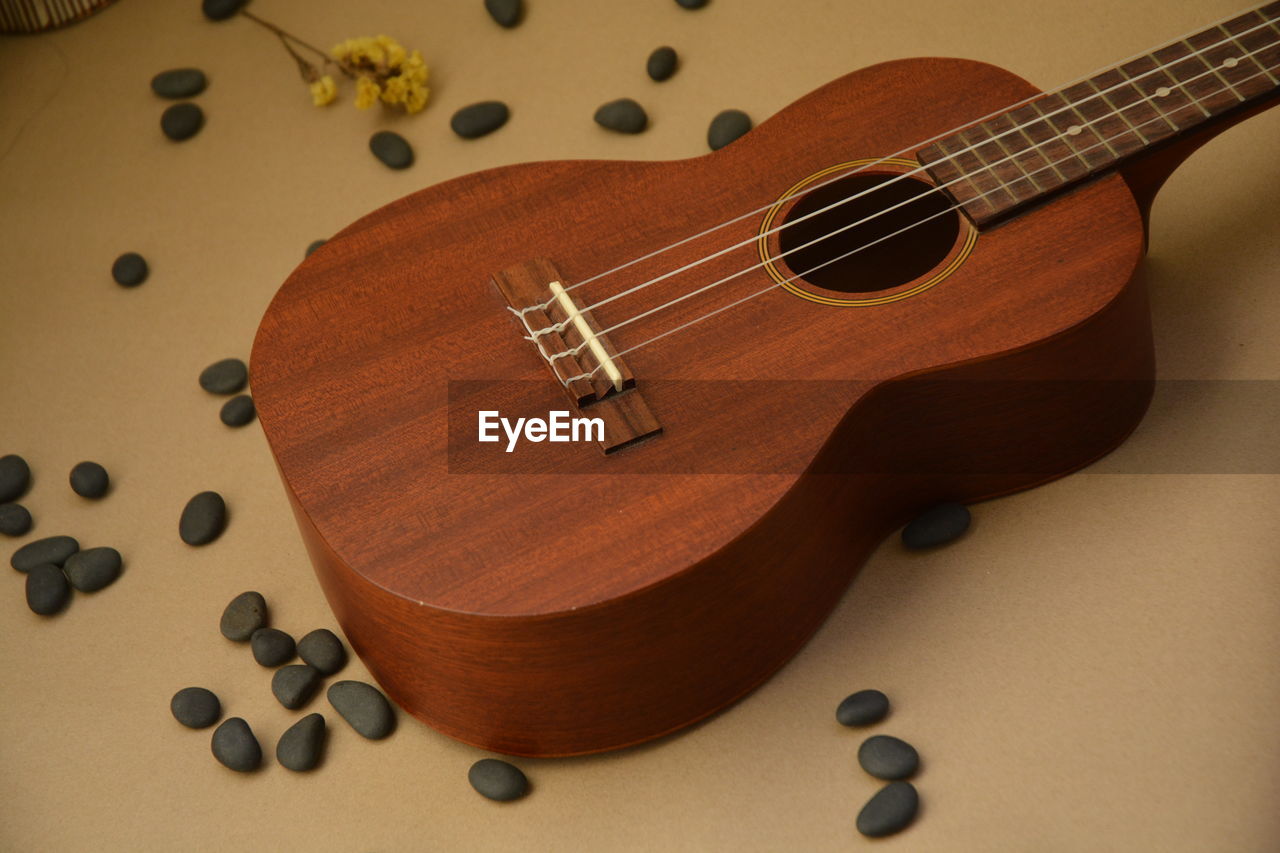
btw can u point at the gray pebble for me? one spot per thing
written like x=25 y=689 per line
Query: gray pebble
x=15 y=520
x=238 y=411
x=15 y=477
x=179 y=83
x=891 y=810
x=130 y=269
x=220 y=10
x=272 y=647
x=662 y=63
x=497 y=780
x=51 y=549
x=936 y=526
x=505 y=13
x=228 y=376
x=235 y=746
x=623 y=115
x=392 y=149
x=864 y=708
x=47 y=589
x=479 y=119
x=302 y=744
x=182 y=121
x=93 y=568
x=726 y=127
x=364 y=707
x=89 y=480
x=203 y=519
x=195 y=707
x=313 y=245
x=887 y=757
x=246 y=613
x=294 y=685
x=692 y=4
x=322 y=649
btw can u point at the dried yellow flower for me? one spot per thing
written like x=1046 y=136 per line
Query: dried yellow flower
x=367 y=91
x=323 y=91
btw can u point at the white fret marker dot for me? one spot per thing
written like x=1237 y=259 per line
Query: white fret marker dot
x=1162 y=91
x=1074 y=130
x=1230 y=62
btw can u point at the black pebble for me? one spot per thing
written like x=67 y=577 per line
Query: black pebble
x=238 y=411
x=313 y=245
x=15 y=477
x=392 y=149
x=47 y=589
x=726 y=127
x=662 y=63
x=89 y=480
x=322 y=649
x=93 y=568
x=891 y=810
x=130 y=269
x=936 y=526
x=623 y=115
x=15 y=520
x=497 y=780
x=182 y=121
x=887 y=757
x=691 y=4
x=179 y=83
x=506 y=13
x=272 y=647
x=478 y=119
x=246 y=613
x=235 y=746
x=51 y=549
x=294 y=685
x=228 y=376
x=195 y=707
x=220 y=10
x=302 y=744
x=203 y=519
x=364 y=707
x=863 y=708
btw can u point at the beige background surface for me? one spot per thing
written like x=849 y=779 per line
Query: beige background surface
x=1093 y=668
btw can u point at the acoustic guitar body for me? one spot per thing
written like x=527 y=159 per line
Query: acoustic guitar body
x=558 y=600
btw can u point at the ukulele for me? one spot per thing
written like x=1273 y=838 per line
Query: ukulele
x=582 y=452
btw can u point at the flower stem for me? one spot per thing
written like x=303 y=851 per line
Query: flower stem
x=286 y=37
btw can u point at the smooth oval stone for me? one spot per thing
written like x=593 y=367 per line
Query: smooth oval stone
x=505 y=13
x=392 y=149
x=726 y=127
x=313 y=245
x=182 y=121
x=272 y=647
x=478 y=119
x=228 y=376
x=322 y=649
x=246 y=613
x=195 y=707
x=15 y=477
x=89 y=480
x=235 y=746
x=93 y=568
x=623 y=115
x=891 y=810
x=936 y=526
x=863 y=708
x=497 y=780
x=887 y=757
x=130 y=269
x=15 y=520
x=364 y=707
x=300 y=747
x=294 y=685
x=238 y=411
x=692 y=4
x=220 y=10
x=203 y=519
x=51 y=549
x=179 y=83
x=47 y=589
x=662 y=63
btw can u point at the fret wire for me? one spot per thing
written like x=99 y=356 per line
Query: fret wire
x=1021 y=168
x=1106 y=143
x=1247 y=53
x=1001 y=165
x=1216 y=73
x=1153 y=102
x=1056 y=136
x=1166 y=67
x=1119 y=112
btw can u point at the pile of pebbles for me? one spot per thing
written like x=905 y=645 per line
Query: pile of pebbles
x=182 y=120
x=885 y=757
x=226 y=377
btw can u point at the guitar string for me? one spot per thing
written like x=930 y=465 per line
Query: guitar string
x=588 y=375
x=1160 y=67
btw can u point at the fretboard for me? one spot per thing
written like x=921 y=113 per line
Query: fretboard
x=1064 y=137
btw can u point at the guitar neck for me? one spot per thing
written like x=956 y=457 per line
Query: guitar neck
x=1061 y=138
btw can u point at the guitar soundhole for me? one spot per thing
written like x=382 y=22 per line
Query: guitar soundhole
x=908 y=231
